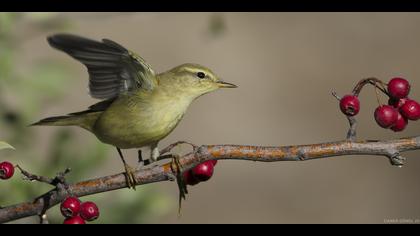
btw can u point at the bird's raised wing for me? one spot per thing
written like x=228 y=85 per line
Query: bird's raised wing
x=113 y=70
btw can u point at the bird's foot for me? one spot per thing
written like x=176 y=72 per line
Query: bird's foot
x=177 y=172
x=130 y=177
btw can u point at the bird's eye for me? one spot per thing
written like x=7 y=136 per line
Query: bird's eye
x=201 y=75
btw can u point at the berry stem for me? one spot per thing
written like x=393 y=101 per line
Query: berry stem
x=336 y=95
x=373 y=81
x=378 y=99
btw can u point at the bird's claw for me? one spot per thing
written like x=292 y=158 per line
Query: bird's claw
x=130 y=177
x=176 y=168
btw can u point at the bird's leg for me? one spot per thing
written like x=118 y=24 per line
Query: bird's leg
x=140 y=156
x=142 y=162
x=129 y=174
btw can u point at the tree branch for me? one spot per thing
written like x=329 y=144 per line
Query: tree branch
x=389 y=148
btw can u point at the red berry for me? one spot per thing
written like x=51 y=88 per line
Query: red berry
x=386 y=116
x=397 y=103
x=89 y=211
x=6 y=170
x=411 y=110
x=400 y=124
x=189 y=178
x=203 y=171
x=76 y=220
x=214 y=162
x=398 y=88
x=350 y=105
x=70 y=207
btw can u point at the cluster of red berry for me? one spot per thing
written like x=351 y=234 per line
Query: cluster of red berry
x=393 y=116
x=77 y=212
x=200 y=173
x=6 y=170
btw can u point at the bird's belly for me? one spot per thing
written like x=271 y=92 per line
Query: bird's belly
x=136 y=128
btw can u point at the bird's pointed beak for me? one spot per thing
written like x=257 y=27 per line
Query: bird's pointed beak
x=223 y=84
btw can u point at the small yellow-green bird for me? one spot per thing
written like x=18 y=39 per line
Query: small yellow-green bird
x=139 y=107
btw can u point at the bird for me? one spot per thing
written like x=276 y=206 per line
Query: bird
x=137 y=107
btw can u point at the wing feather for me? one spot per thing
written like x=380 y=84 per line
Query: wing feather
x=112 y=69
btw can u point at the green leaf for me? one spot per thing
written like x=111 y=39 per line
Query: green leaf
x=4 y=145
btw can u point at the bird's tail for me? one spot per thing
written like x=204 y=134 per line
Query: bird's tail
x=57 y=121
x=85 y=121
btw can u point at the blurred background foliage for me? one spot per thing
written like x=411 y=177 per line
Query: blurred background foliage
x=40 y=84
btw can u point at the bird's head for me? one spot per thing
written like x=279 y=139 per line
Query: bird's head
x=196 y=80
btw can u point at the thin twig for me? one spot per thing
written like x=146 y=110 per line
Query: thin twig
x=32 y=177
x=58 y=179
x=351 y=133
x=173 y=145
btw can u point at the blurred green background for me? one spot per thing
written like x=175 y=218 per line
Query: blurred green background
x=286 y=65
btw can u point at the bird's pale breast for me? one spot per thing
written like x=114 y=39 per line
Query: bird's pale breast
x=137 y=121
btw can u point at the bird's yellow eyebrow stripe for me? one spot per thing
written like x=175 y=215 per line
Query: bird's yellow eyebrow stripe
x=191 y=70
